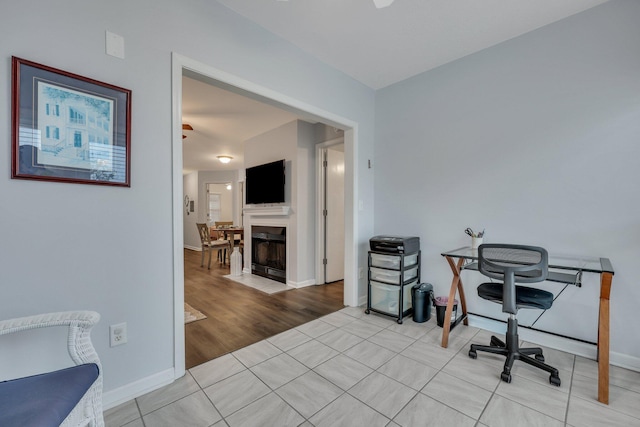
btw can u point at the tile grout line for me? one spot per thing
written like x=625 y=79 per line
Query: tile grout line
x=424 y=338
x=566 y=412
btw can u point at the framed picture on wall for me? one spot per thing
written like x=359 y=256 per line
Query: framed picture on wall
x=69 y=128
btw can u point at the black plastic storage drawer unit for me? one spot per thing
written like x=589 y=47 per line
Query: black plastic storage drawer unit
x=394 y=267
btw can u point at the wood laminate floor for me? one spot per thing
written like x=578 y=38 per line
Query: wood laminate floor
x=238 y=316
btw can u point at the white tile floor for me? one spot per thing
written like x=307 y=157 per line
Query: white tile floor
x=352 y=369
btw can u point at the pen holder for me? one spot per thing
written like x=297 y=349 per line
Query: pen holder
x=475 y=242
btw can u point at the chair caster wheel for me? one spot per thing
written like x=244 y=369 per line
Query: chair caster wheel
x=367 y=311
x=473 y=354
x=505 y=377
x=539 y=357
x=554 y=381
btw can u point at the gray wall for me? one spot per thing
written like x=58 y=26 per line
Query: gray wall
x=535 y=139
x=110 y=249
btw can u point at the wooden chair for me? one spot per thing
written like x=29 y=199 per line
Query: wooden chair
x=224 y=254
x=209 y=244
x=70 y=397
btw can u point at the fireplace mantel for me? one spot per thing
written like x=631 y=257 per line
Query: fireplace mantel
x=268 y=211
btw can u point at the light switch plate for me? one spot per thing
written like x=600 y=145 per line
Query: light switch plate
x=114 y=45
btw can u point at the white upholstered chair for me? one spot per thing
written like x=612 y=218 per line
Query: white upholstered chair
x=46 y=399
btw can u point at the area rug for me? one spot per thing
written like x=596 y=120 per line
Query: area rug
x=260 y=283
x=191 y=314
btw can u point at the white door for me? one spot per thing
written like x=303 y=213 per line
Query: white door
x=334 y=197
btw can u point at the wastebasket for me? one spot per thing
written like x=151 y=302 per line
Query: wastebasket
x=441 y=308
x=421 y=295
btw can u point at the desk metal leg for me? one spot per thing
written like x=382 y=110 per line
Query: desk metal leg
x=456 y=285
x=603 y=338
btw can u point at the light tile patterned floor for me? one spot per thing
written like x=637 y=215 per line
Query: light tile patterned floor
x=352 y=369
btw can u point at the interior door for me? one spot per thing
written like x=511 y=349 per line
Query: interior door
x=334 y=202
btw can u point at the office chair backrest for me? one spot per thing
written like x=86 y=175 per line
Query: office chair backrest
x=513 y=263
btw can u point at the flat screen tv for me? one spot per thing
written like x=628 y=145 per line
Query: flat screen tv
x=265 y=183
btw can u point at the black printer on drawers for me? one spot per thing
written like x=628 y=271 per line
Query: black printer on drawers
x=394 y=268
x=395 y=244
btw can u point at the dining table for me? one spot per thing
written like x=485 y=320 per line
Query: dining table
x=229 y=233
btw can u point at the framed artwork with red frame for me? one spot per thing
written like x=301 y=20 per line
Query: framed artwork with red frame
x=69 y=128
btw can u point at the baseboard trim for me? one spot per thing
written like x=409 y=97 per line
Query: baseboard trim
x=553 y=341
x=120 y=395
x=303 y=284
x=193 y=248
x=362 y=301
x=625 y=361
x=291 y=283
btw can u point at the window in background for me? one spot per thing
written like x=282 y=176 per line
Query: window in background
x=215 y=209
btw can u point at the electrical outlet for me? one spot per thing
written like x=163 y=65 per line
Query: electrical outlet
x=360 y=273
x=118 y=334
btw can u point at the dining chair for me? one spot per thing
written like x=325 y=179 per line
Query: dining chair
x=210 y=244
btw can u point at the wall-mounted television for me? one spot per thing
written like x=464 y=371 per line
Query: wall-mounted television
x=265 y=183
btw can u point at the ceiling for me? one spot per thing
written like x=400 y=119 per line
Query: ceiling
x=221 y=122
x=377 y=47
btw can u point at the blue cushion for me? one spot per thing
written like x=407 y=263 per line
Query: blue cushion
x=44 y=400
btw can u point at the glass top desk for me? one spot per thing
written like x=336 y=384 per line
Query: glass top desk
x=570 y=271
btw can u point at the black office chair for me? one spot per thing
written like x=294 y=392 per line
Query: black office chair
x=511 y=264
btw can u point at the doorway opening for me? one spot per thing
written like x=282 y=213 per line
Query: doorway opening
x=182 y=66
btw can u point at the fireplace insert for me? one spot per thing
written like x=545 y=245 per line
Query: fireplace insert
x=269 y=252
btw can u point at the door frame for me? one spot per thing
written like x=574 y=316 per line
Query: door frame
x=179 y=64
x=320 y=201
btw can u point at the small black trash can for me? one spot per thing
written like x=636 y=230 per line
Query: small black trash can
x=441 y=308
x=421 y=295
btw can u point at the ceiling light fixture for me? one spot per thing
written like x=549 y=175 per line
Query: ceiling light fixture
x=225 y=159
x=382 y=3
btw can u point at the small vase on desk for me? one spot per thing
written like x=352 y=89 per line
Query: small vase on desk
x=236 y=262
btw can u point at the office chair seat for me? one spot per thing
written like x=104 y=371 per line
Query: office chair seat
x=525 y=297
x=511 y=264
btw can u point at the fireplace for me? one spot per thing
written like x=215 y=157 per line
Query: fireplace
x=269 y=252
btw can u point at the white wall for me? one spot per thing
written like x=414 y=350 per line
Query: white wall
x=293 y=142
x=306 y=203
x=213 y=177
x=226 y=200
x=535 y=139
x=195 y=186
x=110 y=249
